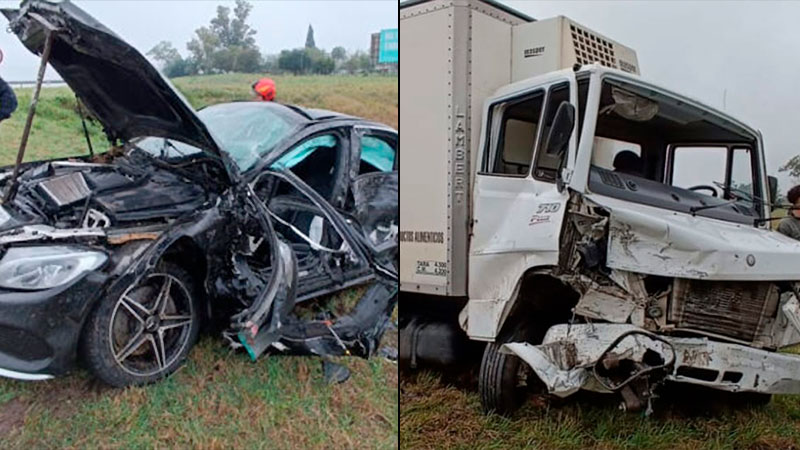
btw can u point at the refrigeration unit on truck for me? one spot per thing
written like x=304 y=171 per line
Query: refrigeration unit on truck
x=596 y=231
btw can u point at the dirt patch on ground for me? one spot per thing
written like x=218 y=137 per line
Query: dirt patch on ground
x=12 y=416
x=60 y=398
x=63 y=401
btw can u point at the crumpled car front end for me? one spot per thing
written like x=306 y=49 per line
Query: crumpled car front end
x=120 y=257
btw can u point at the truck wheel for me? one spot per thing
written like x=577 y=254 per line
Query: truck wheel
x=503 y=381
x=143 y=335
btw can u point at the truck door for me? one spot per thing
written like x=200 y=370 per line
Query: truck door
x=517 y=210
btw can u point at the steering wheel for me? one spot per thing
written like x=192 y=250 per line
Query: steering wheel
x=705 y=187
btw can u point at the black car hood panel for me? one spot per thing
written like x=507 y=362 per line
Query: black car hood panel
x=113 y=80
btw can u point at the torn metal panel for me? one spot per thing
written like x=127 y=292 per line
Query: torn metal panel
x=375 y=204
x=650 y=240
x=602 y=304
x=569 y=355
x=561 y=382
x=357 y=333
x=574 y=357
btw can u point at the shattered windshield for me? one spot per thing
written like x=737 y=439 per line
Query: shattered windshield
x=658 y=150
x=248 y=131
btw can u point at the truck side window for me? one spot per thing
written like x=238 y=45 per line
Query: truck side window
x=516 y=134
x=545 y=166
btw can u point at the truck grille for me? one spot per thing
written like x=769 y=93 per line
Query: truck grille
x=733 y=309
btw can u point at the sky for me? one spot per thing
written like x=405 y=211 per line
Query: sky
x=280 y=25
x=740 y=57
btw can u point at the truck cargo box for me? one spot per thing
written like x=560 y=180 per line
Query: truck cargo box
x=456 y=53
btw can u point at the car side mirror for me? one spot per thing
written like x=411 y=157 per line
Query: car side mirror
x=773 y=189
x=561 y=129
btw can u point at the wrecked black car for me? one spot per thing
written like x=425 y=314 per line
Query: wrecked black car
x=234 y=215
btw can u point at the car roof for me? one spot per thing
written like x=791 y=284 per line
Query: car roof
x=298 y=112
x=308 y=116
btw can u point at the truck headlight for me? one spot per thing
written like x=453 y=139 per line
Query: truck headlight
x=32 y=268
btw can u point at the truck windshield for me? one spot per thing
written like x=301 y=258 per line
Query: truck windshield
x=654 y=149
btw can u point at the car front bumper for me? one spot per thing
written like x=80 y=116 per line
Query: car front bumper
x=40 y=330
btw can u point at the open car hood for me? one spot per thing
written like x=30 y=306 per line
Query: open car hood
x=112 y=79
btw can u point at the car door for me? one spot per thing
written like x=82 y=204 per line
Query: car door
x=321 y=159
x=374 y=199
x=517 y=209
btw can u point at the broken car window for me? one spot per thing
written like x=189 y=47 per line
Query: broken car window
x=302 y=151
x=249 y=131
x=376 y=155
x=315 y=162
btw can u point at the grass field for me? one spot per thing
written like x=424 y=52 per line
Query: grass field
x=442 y=410
x=218 y=399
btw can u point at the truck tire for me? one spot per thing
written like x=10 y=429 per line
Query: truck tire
x=498 y=381
x=132 y=339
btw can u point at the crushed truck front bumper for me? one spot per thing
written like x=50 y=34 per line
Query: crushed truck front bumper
x=589 y=356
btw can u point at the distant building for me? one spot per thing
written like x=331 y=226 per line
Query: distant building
x=384 y=50
x=374 y=48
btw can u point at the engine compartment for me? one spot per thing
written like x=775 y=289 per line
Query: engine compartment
x=120 y=191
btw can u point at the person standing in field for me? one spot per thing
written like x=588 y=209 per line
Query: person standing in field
x=790 y=225
x=8 y=101
x=265 y=89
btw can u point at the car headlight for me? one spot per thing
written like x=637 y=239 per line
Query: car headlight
x=32 y=268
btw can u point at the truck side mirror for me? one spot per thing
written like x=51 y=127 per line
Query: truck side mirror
x=561 y=129
x=773 y=189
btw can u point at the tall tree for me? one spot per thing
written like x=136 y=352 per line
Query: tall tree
x=310 y=38
x=203 y=47
x=164 y=53
x=339 y=54
x=228 y=43
x=172 y=64
x=792 y=166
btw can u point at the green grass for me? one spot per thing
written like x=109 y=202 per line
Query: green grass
x=57 y=129
x=219 y=399
x=438 y=411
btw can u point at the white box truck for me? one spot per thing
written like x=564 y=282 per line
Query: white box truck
x=595 y=230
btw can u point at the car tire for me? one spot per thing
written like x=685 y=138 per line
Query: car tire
x=121 y=340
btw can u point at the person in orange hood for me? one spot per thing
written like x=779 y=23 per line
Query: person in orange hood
x=265 y=89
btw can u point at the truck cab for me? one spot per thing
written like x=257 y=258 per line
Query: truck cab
x=616 y=235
